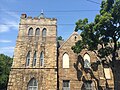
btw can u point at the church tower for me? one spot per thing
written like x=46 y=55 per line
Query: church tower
x=35 y=55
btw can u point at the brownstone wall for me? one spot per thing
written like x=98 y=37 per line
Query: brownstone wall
x=49 y=76
x=69 y=73
x=76 y=73
x=45 y=75
x=19 y=78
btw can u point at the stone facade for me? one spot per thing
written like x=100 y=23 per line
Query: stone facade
x=55 y=73
x=46 y=75
x=76 y=74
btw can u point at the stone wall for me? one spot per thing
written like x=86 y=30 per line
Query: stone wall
x=76 y=73
x=19 y=78
x=45 y=75
x=69 y=73
x=50 y=76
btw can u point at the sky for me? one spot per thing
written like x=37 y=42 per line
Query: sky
x=67 y=13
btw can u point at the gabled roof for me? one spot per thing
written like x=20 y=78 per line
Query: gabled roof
x=73 y=34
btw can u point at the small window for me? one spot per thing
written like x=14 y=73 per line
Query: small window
x=88 y=86
x=28 y=59
x=65 y=60
x=87 y=61
x=33 y=85
x=37 y=32
x=44 y=34
x=42 y=59
x=30 y=32
x=75 y=38
x=34 y=59
x=66 y=85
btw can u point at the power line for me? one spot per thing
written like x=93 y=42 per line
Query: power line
x=71 y=10
x=93 y=1
x=54 y=11
x=64 y=24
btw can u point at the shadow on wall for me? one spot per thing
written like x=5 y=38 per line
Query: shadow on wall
x=79 y=69
x=82 y=73
x=116 y=74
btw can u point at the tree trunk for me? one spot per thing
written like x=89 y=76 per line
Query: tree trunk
x=115 y=63
x=114 y=52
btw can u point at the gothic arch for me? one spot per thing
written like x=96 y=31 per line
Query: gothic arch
x=44 y=31
x=30 y=31
x=32 y=84
x=37 y=31
x=42 y=58
x=65 y=60
x=35 y=58
x=28 y=58
x=86 y=59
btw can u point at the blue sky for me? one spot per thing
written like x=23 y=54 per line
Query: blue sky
x=66 y=12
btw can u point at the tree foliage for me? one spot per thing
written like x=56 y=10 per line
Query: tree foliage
x=5 y=65
x=60 y=38
x=104 y=29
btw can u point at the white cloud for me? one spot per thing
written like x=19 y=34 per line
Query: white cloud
x=6 y=11
x=4 y=28
x=12 y=14
x=7 y=50
x=5 y=41
x=9 y=21
x=8 y=25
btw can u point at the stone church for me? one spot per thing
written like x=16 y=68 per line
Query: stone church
x=41 y=62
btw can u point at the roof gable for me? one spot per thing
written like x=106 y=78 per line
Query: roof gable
x=74 y=37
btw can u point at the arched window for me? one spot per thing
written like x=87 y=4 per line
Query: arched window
x=89 y=85
x=33 y=85
x=34 y=59
x=44 y=34
x=86 y=61
x=37 y=32
x=42 y=59
x=30 y=31
x=28 y=59
x=75 y=38
x=65 y=60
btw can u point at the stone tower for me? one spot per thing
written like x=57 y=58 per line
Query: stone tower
x=35 y=55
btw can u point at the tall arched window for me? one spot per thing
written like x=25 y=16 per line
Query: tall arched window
x=65 y=60
x=42 y=59
x=34 y=59
x=30 y=31
x=28 y=59
x=86 y=61
x=44 y=34
x=33 y=85
x=37 y=32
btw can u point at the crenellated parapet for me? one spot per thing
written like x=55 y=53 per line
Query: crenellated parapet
x=37 y=20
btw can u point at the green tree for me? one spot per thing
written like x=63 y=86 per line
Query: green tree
x=60 y=38
x=102 y=35
x=104 y=29
x=5 y=65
